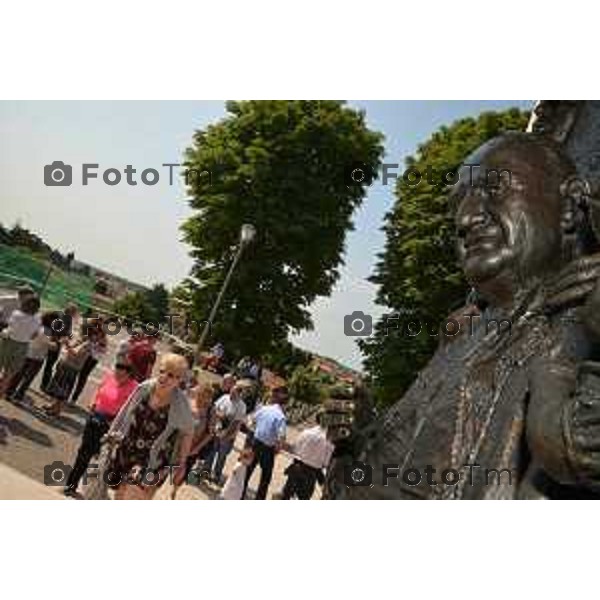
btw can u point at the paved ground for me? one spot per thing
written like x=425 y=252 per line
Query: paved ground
x=16 y=486
x=33 y=440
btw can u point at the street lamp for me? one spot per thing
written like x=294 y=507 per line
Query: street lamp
x=247 y=234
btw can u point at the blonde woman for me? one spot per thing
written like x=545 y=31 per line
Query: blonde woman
x=151 y=434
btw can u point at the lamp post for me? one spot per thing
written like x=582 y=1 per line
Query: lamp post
x=45 y=282
x=247 y=234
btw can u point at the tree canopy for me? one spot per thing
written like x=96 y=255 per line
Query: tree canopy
x=150 y=306
x=280 y=166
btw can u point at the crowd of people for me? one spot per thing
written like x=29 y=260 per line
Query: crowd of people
x=177 y=426
x=53 y=342
x=154 y=417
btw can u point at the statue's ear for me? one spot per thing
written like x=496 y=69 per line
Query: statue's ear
x=575 y=193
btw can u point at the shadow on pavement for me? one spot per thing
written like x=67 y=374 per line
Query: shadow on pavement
x=20 y=429
x=74 y=409
x=61 y=422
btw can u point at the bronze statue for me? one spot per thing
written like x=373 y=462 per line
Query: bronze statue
x=511 y=413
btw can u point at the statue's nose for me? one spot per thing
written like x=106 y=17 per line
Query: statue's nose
x=473 y=212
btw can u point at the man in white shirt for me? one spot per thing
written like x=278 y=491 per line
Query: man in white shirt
x=12 y=302
x=34 y=360
x=312 y=452
x=229 y=412
x=23 y=325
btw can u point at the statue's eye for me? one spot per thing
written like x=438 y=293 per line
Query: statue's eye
x=499 y=188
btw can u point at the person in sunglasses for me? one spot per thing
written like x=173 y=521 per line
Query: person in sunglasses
x=149 y=439
x=115 y=389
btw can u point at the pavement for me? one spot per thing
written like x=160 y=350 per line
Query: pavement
x=16 y=486
x=31 y=441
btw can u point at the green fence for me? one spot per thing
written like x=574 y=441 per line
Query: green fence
x=57 y=286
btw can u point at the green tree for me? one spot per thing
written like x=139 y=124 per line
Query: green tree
x=149 y=306
x=134 y=306
x=285 y=357
x=158 y=299
x=304 y=386
x=279 y=165
x=418 y=271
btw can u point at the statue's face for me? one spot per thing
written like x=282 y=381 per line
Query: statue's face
x=508 y=226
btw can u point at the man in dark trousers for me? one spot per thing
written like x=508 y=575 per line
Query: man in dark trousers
x=269 y=437
x=312 y=454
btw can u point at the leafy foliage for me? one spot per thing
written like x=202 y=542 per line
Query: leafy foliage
x=158 y=299
x=305 y=386
x=285 y=357
x=150 y=306
x=23 y=237
x=280 y=166
x=418 y=271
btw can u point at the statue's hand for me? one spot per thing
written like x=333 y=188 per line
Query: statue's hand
x=578 y=284
x=583 y=424
x=347 y=412
x=345 y=419
x=338 y=419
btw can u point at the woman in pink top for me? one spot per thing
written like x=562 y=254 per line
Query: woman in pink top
x=115 y=389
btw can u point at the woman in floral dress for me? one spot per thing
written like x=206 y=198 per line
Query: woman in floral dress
x=152 y=435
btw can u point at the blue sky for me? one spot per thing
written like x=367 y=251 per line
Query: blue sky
x=134 y=230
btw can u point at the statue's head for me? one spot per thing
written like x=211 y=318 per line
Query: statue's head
x=516 y=216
